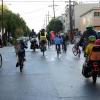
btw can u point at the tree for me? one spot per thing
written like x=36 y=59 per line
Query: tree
x=13 y=23
x=55 y=25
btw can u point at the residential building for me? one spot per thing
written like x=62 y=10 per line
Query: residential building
x=91 y=17
x=77 y=10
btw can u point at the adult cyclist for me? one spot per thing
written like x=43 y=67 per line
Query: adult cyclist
x=84 y=39
x=32 y=37
x=64 y=40
x=32 y=34
x=42 y=37
x=21 y=51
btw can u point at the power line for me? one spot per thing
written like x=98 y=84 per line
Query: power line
x=31 y=1
x=33 y=11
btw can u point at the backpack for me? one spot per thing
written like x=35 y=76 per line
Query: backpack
x=95 y=54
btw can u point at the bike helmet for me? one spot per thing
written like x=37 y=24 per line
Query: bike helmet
x=43 y=30
x=97 y=42
x=89 y=27
x=91 y=38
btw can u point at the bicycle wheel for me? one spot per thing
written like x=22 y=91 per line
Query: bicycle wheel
x=43 y=52
x=74 y=51
x=65 y=48
x=79 y=52
x=21 y=63
x=58 y=51
x=0 y=60
x=43 y=49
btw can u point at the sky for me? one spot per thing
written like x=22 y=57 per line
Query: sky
x=36 y=13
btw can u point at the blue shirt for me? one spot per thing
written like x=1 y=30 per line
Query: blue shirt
x=58 y=40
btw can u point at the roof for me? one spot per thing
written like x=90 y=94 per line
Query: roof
x=97 y=8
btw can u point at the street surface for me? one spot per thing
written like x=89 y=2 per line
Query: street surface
x=45 y=78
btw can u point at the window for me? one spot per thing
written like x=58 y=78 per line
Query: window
x=97 y=14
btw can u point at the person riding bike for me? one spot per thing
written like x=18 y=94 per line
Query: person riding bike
x=87 y=66
x=62 y=35
x=21 y=51
x=32 y=37
x=91 y=40
x=65 y=40
x=32 y=34
x=58 y=41
x=91 y=65
x=84 y=39
x=42 y=37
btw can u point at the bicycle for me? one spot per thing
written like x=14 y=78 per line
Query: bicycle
x=0 y=60
x=58 y=51
x=65 y=47
x=43 y=47
x=21 y=59
x=21 y=63
x=76 y=50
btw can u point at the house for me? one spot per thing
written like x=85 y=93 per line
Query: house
x=91 y=17
x=77 y=10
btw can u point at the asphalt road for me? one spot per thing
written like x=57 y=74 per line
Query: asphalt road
x=45 y=78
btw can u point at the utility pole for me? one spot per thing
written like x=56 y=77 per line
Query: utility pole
x=53 y=6
x=99 y=3
x=48 y=17
x=53 y=9
x=70 y=20
x=46 y=22
x=2 y=30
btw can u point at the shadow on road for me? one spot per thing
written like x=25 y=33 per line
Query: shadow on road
x=90 y=89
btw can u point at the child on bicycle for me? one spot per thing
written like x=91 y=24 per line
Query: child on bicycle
x=91 y=41
x=88 y=51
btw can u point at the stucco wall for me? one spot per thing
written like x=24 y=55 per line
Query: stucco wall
x=80 y=9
